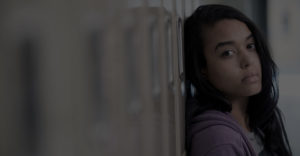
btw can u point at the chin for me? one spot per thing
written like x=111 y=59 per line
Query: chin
x=253 y=91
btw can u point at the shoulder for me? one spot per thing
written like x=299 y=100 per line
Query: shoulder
x=217 y=139
x=215 y=132
x=219 y=133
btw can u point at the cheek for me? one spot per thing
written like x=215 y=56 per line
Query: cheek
x=258 y=63
x=222 y=75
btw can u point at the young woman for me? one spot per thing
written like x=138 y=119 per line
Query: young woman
x=233 y=110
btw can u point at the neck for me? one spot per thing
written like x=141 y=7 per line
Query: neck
x=239 y=107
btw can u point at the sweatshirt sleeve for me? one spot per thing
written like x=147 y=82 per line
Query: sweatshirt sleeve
x=225 y=150
x=217 y=141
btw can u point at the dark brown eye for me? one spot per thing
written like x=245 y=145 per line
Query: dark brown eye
x=227 y=53
x=251 y=46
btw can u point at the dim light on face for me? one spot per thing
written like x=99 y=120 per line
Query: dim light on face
x=233 y=65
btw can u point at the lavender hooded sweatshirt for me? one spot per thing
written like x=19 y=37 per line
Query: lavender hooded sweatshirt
x=214 y=133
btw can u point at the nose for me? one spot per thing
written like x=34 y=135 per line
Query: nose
x=246 y=59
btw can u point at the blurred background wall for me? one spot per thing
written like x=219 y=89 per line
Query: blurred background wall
x=284 y=33
x=106 y=77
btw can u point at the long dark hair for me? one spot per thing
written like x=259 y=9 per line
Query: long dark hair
x=264 y=115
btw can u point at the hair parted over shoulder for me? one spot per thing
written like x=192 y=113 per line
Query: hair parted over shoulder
x=262 y=109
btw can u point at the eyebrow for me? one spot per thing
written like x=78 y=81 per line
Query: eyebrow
x=220 y=44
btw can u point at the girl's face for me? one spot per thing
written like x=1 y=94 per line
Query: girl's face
x=233 y=65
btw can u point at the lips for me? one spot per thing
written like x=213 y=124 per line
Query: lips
x=251 y=78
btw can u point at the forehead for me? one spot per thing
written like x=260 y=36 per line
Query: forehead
x=225 y=30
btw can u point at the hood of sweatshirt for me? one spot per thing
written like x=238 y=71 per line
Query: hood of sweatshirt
x=213 y=118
